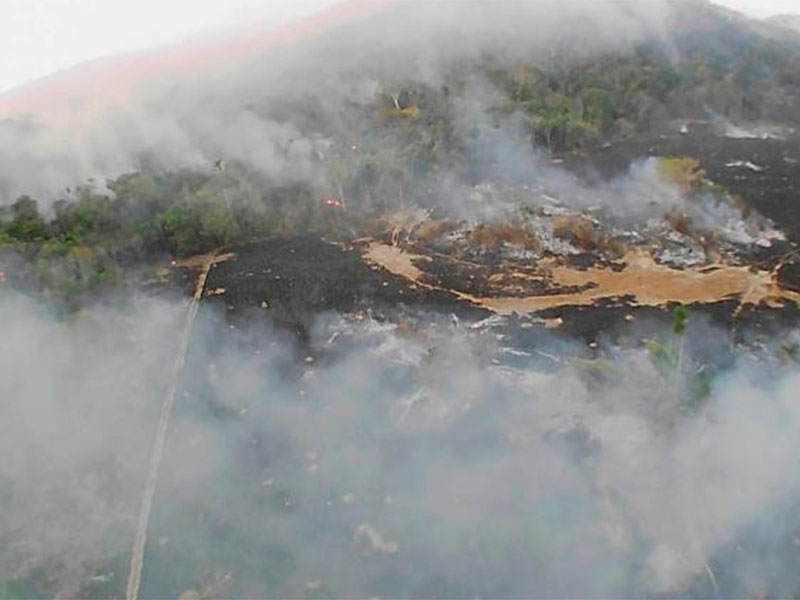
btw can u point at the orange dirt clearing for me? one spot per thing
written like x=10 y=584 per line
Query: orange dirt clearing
x=643 y=280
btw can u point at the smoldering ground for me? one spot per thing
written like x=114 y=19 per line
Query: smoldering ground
x=388 y=460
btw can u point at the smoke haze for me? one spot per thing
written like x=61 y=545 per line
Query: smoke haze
x=231 y=108
x=387 y=464
x=434 y=459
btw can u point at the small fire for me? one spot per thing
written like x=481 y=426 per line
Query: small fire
x=331 y=202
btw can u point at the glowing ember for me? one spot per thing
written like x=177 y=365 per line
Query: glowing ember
x=331 y=202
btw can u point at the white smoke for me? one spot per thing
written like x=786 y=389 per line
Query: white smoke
x=388 y=463
x=191 y=119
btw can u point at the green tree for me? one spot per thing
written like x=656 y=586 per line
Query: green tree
x=26 y=223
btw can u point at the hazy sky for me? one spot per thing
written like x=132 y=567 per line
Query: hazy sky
x=763 y=8
x=39 y=37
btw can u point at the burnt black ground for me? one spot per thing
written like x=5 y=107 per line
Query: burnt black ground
x=789 y=275
x=773 y=191
x=289 y=281
x=293 y=279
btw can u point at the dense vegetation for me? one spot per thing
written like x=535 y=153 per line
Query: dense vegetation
x=718 y=67
x=92 y=237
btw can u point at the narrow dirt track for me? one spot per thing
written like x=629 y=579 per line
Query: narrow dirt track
x=137 y=554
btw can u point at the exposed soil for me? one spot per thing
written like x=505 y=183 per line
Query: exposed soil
x=643 y=281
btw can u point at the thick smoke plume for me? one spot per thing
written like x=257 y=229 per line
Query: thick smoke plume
x=390 y=463
x=80 y=400
x=422 y=459
x=235 y=111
